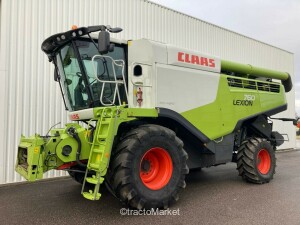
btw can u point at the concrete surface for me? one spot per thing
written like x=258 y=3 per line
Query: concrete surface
x=212 y=196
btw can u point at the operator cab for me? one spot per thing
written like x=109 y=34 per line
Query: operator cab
x=91 y=72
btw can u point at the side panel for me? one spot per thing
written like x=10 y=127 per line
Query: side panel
x=183 y=89
x=231 y=105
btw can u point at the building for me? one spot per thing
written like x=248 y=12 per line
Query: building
x=31 y=102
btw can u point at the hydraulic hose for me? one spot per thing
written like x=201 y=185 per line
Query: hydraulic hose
x=74 y=134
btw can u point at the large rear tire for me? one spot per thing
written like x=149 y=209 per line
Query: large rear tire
x=148 y=167
x=256 y=161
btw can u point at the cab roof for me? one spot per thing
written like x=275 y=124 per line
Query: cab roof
x=53 y=43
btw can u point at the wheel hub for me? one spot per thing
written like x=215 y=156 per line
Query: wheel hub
x=145 y=166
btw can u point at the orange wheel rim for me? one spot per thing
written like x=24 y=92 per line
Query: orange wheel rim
x=263 y=161
x=156 y=168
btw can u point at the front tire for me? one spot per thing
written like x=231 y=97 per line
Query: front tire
x=148 y=167
x=77 y=176
x=256 y=161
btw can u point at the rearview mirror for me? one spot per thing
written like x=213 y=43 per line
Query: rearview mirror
x=103 y=42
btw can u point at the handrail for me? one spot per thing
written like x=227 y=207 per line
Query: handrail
x=119 y=63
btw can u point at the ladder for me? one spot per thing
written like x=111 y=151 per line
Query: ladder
x=100 y=153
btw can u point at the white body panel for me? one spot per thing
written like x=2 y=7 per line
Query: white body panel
x=84 y=114
x=181 y=89
x=31 y=101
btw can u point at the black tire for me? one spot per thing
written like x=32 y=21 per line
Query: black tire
x=77 y=176
x=124 y=172
x=251 y=154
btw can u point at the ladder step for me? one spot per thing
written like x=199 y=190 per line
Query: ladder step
x=94 y=180
x=102 y=136
x=94 y=166
x=105 y=122
x=98 y=150
x=91 y=196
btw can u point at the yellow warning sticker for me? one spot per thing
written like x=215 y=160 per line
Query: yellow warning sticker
x=98 y=157
x=36 y=150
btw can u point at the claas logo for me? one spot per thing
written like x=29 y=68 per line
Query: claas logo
x=194 y=59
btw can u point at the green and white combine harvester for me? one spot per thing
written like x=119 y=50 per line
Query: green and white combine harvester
x=149 y=112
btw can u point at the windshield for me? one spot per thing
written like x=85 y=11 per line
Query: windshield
x=82 y=79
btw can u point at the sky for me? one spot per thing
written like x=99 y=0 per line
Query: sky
x=275 y=22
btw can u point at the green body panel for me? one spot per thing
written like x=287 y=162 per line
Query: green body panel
x=220 y=117
x=136 y=112
x=126 y=114
x=248 y=69
x=66 y=139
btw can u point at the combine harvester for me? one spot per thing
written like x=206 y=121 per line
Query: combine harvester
x=153 y=111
